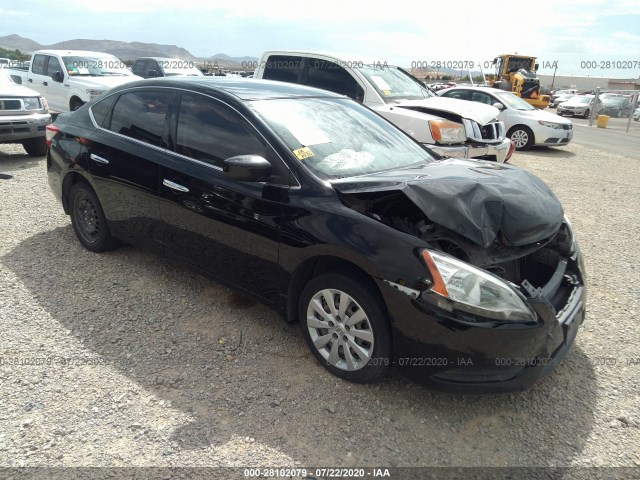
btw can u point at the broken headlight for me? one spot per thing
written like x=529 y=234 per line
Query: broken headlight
x=473 y=290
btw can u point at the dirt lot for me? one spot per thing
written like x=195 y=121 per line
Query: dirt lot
x=125 y=359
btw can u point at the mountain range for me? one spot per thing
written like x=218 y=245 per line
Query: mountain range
x=122 y=50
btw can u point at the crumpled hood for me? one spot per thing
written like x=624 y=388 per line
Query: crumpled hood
x=104 y=83
x=477 y=200
x=478 y=112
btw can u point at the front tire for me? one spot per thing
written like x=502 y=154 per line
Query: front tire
x=346 y=327
x=35 y=147
x=75 y=104
x=587 y=113
x=521 y=136
x=88 y=219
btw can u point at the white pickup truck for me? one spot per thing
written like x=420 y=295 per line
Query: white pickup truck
x=70 y=78
x=445 y=126
x=24 y=116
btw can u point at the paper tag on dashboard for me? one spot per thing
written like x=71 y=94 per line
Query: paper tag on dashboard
x=302 y=153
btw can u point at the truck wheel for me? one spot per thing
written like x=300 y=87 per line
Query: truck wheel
x=75 y=104
x=521 y=136
x=35 y=147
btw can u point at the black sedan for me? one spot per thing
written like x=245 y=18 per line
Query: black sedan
x=465 y=274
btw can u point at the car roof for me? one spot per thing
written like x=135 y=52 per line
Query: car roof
x=345 y=58
x=160 y=58
x=239 y=87
x=76 y=53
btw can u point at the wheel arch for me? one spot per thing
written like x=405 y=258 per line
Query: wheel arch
x=314 y=266
x=69 y=181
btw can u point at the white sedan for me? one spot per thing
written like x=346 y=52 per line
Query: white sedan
x=526 y=126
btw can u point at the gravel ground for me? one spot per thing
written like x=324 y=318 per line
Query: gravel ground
x=145 y=363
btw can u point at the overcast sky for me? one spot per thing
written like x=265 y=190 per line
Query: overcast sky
x=569 y=32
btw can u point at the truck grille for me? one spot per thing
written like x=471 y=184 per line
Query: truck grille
x=10 y=104
x=488 y=133
x=14 y=127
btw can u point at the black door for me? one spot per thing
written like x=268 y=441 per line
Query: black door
x=226 y=227
x=123 y=160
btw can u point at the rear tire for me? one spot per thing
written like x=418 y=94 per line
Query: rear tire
x=35 y=147
x=88 y=219
x=346 y=327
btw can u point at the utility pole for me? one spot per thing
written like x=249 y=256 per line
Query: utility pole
x=553 y=80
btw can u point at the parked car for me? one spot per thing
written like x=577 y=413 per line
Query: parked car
x=70 y=78
x=151 y=67
x=446 y=127
x=580 y=106
x=558 y=99
x=24 y=115
x=454 y=270
x=636 y=114
x=4 y=62
x=526 y=125
x=616 y=105
x=564 y=91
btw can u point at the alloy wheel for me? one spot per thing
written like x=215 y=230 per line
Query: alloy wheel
x=340 y=329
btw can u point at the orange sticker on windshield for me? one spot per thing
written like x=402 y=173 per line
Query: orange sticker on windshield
x=387 y=92
x=302 y=153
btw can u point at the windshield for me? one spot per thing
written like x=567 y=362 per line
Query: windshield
x=513 y=101
x=102 y=66
x=580 y=100
x=338 y=138
x=394 y=84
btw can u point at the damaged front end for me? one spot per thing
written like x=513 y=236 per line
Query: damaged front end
x=498 y=253
x=542 y=264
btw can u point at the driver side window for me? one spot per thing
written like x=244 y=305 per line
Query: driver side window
x=53 y=66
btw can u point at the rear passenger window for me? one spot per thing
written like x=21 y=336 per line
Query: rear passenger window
x=284 y=68
x=331 y=76
x=38 y=64
x=101 y=110
x=141 y=115
x=212 y=132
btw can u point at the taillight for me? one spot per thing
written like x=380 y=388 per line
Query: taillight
x=51 y=132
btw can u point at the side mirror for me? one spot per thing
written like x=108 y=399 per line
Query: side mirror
x=499 y=106
x=536 y=67
x=58 y=77
x=152 y=73
x=247 y=168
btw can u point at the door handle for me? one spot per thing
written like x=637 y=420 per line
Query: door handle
x=45 y=84
x=31 y=80
x=98 y=159
x=175 y=186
